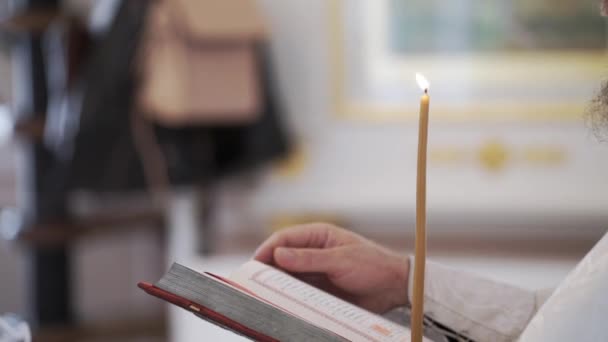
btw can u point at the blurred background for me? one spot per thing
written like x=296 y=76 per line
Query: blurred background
x=138 y=133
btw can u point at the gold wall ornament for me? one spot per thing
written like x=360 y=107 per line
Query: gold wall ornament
x=544 y=155
x=448 y=155
x=494 y=155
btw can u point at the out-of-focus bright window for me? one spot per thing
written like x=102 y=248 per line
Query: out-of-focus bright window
x=532 y=59
x=491 y=25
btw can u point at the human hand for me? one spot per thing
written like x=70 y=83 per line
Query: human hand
x=341 y=262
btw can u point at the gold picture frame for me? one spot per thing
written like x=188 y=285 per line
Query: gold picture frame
x=586 y=66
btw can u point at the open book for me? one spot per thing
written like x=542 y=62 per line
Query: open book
x=266 y=304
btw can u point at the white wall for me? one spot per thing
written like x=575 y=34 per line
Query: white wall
x=365 y=169
x=106 y=271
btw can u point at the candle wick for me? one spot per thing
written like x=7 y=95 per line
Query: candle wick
x=426 y=90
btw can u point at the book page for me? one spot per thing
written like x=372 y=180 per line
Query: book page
x=316 y=306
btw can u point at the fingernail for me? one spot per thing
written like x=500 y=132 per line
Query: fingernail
x=285 y=254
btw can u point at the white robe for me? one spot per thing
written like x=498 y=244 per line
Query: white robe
x=578 y=309
x=486 y=310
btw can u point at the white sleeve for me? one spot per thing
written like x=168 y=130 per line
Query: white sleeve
x=476 y=307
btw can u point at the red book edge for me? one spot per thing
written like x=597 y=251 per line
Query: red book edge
x=198 y=309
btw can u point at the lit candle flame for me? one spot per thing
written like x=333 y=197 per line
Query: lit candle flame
x=423 y=83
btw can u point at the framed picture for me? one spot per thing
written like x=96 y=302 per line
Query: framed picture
x=485 y=59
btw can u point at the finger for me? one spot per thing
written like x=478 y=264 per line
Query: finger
x=310 y=260
x=313 y=235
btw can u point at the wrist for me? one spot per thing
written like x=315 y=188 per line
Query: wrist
x=401 y=271
x=405 y=280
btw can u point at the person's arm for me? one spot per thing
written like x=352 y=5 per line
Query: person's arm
x=477 y=307
x=375 y=278
x=342 y=263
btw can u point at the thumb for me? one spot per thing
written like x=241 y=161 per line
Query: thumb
x=313 y=260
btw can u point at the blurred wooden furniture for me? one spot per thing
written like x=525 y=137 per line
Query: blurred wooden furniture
x=49 y=230
x=61 y=233
x=151 y=330
x=33 y=21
